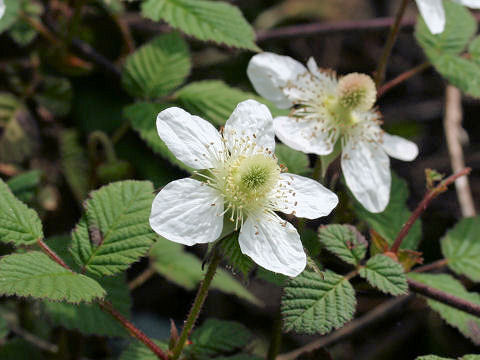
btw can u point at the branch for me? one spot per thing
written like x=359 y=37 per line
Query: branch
x=107 y=307
x=376 y=314
x=402 y=77
x=429 y=196
x=452 y=124
x=444 y=297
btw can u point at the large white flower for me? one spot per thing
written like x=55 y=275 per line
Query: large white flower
x=433 y=12
x=330 y=114
x=2 y=8
x=243 y=182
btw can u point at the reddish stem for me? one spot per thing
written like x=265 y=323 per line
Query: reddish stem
x=107 y=307
x=429 y=196
x=134 y=331
x=402 y=77
x=52 y=254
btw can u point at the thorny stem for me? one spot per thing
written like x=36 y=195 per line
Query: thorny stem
x=429 y=196
x=403 y=77
x=197 y=304
x=392 y=36
x=107 y=307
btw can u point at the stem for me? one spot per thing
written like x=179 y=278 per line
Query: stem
x=276 y=340
x=392 y=36
x=120 y=132
x=376 y=314
x=107 y=307
x=403 y=77
x=429 y=196
x=432 y=266
x=42 y=29
x=444 y=297
x=197 y=304
x=452 y=124
x=142 y=278
x=351 y=274
x=135 y=332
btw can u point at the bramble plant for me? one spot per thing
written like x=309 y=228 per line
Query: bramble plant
x=134 y=180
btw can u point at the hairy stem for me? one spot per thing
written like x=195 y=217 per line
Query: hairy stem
x=107 y=307
x=429 y=196
x=403 y=77
x=392 y=36
x=197 y=304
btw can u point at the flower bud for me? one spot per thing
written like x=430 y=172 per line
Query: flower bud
x=357 y=91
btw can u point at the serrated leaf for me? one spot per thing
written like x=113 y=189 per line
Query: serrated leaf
x=461 y=248
x=295 y=161
x=75 y=164
x=138 y=351
x=56 y=95
x=218 y=337
x=115 y=231
x=432 y=357
x=215 y=101
x=171 y=261
x=206 y=20
x=389 y=222
x=12 y=12
x=344 y=241
x=18 y=224
x=385 y=274
x=34 y=274
x=467 y=324
x=89 y=318
x=142 y=116
x=460 y=26
x=231 y=250
x=317 y=303
x=24 y=185
x=157 y=67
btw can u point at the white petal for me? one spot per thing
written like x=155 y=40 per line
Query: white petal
x=253 y=121
x=307 y=198
x=187 y=211
x=399 y=148
x=474 y=4
x=304 y=135
x=269 y=73
x=433 y=13
x=273 y=244
x=2 y=8
x=366 y=168
x=191 y=139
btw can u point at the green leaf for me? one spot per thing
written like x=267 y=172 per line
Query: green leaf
x=19 y=349
x=56 y=95
x=460 y=26
x=21 y=31
x=389 y=222
x=470 y=357
x=295 y=161
x=18 y=224
x=24 y=185
x=157 y=67
x=232 y=252
x=474 y=50
x=115 y=231
x=75 y=164
x=385 y=274
x=461 y=248
x=218 y=337
x=171 y=261
x=317 y=303
x=138 y=351
x=89 y=318
x=344 y=241
x=215 y=101
x=142 y=116
x=34 y=274
x=206 y=20
x=432 y=357
x=12 y=12
x=18 y=130
x=469 y=325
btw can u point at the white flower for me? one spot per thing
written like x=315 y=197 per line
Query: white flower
x=2 y=8
x=330 y=114
x=433 y=12
x=242 y=181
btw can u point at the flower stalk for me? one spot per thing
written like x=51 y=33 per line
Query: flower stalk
x=197 y=304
